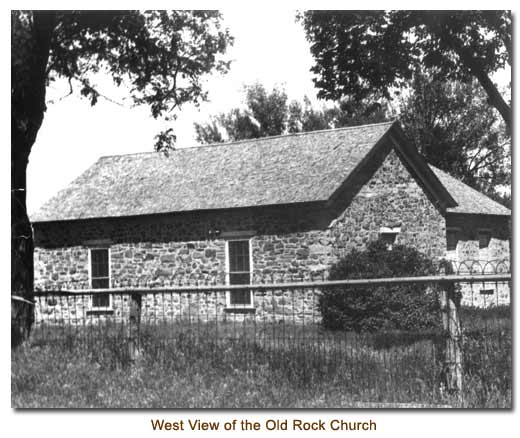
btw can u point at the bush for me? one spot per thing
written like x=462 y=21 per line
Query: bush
x=370 y=308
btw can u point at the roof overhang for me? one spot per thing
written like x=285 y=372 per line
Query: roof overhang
x=394 y=138
x=253 y=208
x=420 y=167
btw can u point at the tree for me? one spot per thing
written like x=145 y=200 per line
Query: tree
x=452 y=125
x=345 y=113
x=161 y=56
x=265 y=114
x=268 y=113
x=364 y=53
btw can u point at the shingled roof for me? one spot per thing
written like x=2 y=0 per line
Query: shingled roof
x=469 y=200
x=296 y=168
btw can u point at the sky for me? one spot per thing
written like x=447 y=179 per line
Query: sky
x=74 y=134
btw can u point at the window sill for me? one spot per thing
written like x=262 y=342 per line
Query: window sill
x=99 y=312
x=239 y=310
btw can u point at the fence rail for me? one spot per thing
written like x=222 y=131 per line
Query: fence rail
x=197 y=279
x=467 y=349
x=454 y=278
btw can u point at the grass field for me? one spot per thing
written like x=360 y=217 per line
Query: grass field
x=260 y=366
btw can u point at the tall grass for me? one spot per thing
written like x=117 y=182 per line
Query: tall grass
x=264 y=366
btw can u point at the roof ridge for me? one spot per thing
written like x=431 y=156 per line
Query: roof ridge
x=249 y=140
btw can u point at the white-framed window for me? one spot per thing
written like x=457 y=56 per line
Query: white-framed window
x=99 y=272
x=239 y=269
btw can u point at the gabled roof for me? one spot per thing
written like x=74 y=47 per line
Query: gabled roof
x=470 y=201
x=288 y=169
x=304 y=167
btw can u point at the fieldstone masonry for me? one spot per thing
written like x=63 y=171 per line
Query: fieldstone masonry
x=391 y=197
x=468 y=258
x=290 y=242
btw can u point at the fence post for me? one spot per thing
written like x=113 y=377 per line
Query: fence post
x=453 y=338
x=134 y=326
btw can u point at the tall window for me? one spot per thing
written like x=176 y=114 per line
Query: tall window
x=100 y=276
x=239 y=271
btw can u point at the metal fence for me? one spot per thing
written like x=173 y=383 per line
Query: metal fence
x=463 y=358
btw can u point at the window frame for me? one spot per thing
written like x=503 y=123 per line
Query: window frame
x=110 y=302
x=239 y=238
x=389 y=231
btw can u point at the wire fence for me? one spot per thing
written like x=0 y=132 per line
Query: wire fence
x=277 y=322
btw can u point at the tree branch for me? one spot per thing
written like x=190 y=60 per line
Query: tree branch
x=495 y=98
x=477 y=164
x=71 y=90
x=97 y=93
x=451 y=41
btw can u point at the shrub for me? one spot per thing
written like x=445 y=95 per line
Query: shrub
x=370 y=308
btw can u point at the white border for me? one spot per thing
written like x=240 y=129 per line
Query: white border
x=251 y=304
x=110 y=303
x=134 y=423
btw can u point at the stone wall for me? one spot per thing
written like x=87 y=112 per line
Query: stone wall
x=289 y=243
x=468 y=258
x=184 y=249
x=282 y=305
x=390 y=198
x=468 y=245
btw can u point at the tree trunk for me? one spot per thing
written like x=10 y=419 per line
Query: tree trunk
x=494 y=96
x=22 y=247
x=443 y=32
x=30 y=53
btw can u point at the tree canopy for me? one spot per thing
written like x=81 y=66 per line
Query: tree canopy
x=268 y=113
x=265 y=113
x=363 y=53
x=160 y=56
x=450 y=122
x=453 y=126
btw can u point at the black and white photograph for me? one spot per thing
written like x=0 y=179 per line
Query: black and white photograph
x=261 y=209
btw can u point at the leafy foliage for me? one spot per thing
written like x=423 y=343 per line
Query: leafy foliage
x=453 y=126
x=365 y=53
x=159 y=55
x=265 y=114
x=303 y=118
x=268 y=113
x=370 y=308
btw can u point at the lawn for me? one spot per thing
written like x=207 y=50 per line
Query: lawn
x=254 y=366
